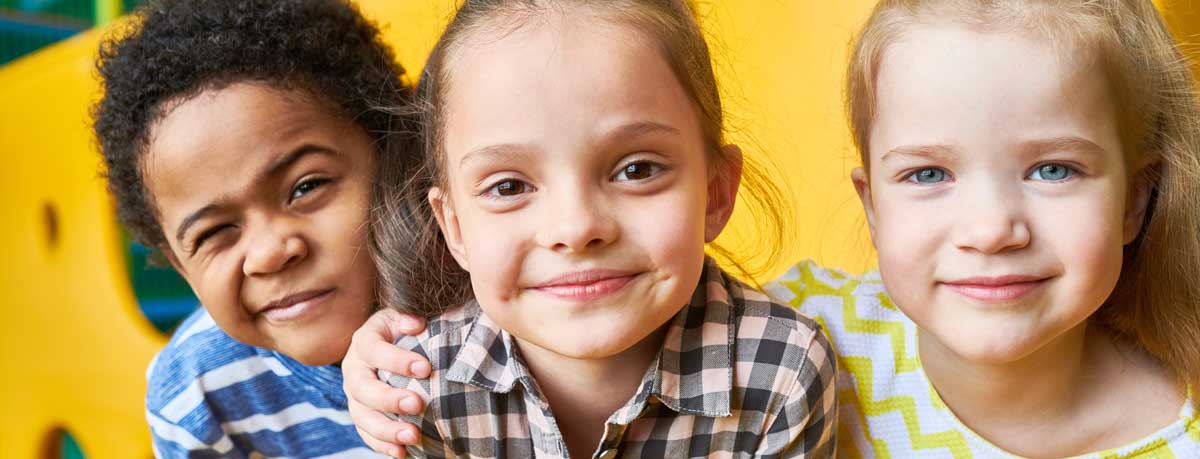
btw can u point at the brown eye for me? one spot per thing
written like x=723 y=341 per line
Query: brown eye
x=208 y=234
x=640 y=170
x=307 y=186
x=509 y=188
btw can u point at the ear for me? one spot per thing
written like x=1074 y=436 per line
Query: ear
x=862 y=185
x=722 y=192
x=447 y=218
x=1139 y=201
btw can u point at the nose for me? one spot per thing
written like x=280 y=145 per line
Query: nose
x=576 y=222
x=273 y=250
x=991 y=221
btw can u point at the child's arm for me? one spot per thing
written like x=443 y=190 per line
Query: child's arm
x=807 y=424
x=369 y=398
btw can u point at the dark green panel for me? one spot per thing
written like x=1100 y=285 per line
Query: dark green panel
x=164 y=298
x=27 y=25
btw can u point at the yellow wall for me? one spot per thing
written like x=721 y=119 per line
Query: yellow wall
x=73 y=346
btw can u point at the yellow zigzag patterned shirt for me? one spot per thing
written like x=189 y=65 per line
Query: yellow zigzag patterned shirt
x=886 y=406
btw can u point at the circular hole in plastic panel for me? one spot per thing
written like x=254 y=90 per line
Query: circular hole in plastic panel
x=50 y=225
x=61 y=445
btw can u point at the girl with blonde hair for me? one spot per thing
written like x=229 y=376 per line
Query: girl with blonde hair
x=1029 y=174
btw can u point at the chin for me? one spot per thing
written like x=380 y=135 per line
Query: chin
x=317 y=357
x=991 y=348
x=595 y=348
x=314 y=350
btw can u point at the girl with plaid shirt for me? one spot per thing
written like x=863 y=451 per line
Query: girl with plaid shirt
x=1036 y=228
x=576 y=170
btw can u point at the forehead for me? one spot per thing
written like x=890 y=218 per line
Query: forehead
x=215 y=143
x=558 y=74
x=941 y=82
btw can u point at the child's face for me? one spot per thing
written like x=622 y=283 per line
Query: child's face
x=579 y=190
x=263 y=199
x=997 y=190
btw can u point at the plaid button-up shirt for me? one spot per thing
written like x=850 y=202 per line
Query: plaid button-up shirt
x=738 y=376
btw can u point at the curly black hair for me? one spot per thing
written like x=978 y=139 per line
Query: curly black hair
x=173 y=50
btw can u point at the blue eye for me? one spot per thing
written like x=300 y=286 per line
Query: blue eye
x=928 y=176
x=636 y=171
x=1051 y=172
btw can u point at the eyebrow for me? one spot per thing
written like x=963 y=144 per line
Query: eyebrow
x=641 y=128
x=940 y=152
x=504 y=152
x=275 y=168
x=1067 y=143
x=514 y=151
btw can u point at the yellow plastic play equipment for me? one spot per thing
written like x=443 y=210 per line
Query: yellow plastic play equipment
x=73 y=343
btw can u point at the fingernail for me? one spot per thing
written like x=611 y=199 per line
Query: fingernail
x=407 y=437
x=419 y=369
x=410 y=405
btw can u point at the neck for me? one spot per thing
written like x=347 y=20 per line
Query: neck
x=1041 y=385
x=585 y=392
x=1080 y=379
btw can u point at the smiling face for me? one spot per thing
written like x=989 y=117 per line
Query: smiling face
x=997 y=191
x=579 y=194
x=263 y=196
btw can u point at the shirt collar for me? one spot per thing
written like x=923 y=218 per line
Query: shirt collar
x=692 y=373
x=325 y=378
x=487 y=358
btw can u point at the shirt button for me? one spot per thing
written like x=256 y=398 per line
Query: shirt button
x=608 y=454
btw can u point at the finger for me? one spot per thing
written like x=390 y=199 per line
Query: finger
x=388 y=357
x=383 y=429
x=381 y=447
x=390 y=324
x=379 y=396
x=371 y=347
x=368 y=352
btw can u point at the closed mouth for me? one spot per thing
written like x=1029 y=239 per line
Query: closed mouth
x=586 y=285
x=996 y=289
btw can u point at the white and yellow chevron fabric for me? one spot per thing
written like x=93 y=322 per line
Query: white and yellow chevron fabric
x=887 y=406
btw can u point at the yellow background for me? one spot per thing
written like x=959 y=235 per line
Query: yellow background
x=73 y=344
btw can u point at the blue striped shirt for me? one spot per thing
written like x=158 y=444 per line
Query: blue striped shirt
x=211 y=396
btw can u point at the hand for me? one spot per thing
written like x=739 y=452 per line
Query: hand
x=369 y=398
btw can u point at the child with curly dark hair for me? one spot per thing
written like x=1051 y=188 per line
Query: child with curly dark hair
x=240 y=140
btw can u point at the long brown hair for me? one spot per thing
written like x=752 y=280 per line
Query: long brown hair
x=1156 y=302
x=417 y=273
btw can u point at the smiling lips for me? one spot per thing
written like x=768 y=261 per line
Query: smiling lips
x=586 y=285
x=294 y=306
x=996 y=289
